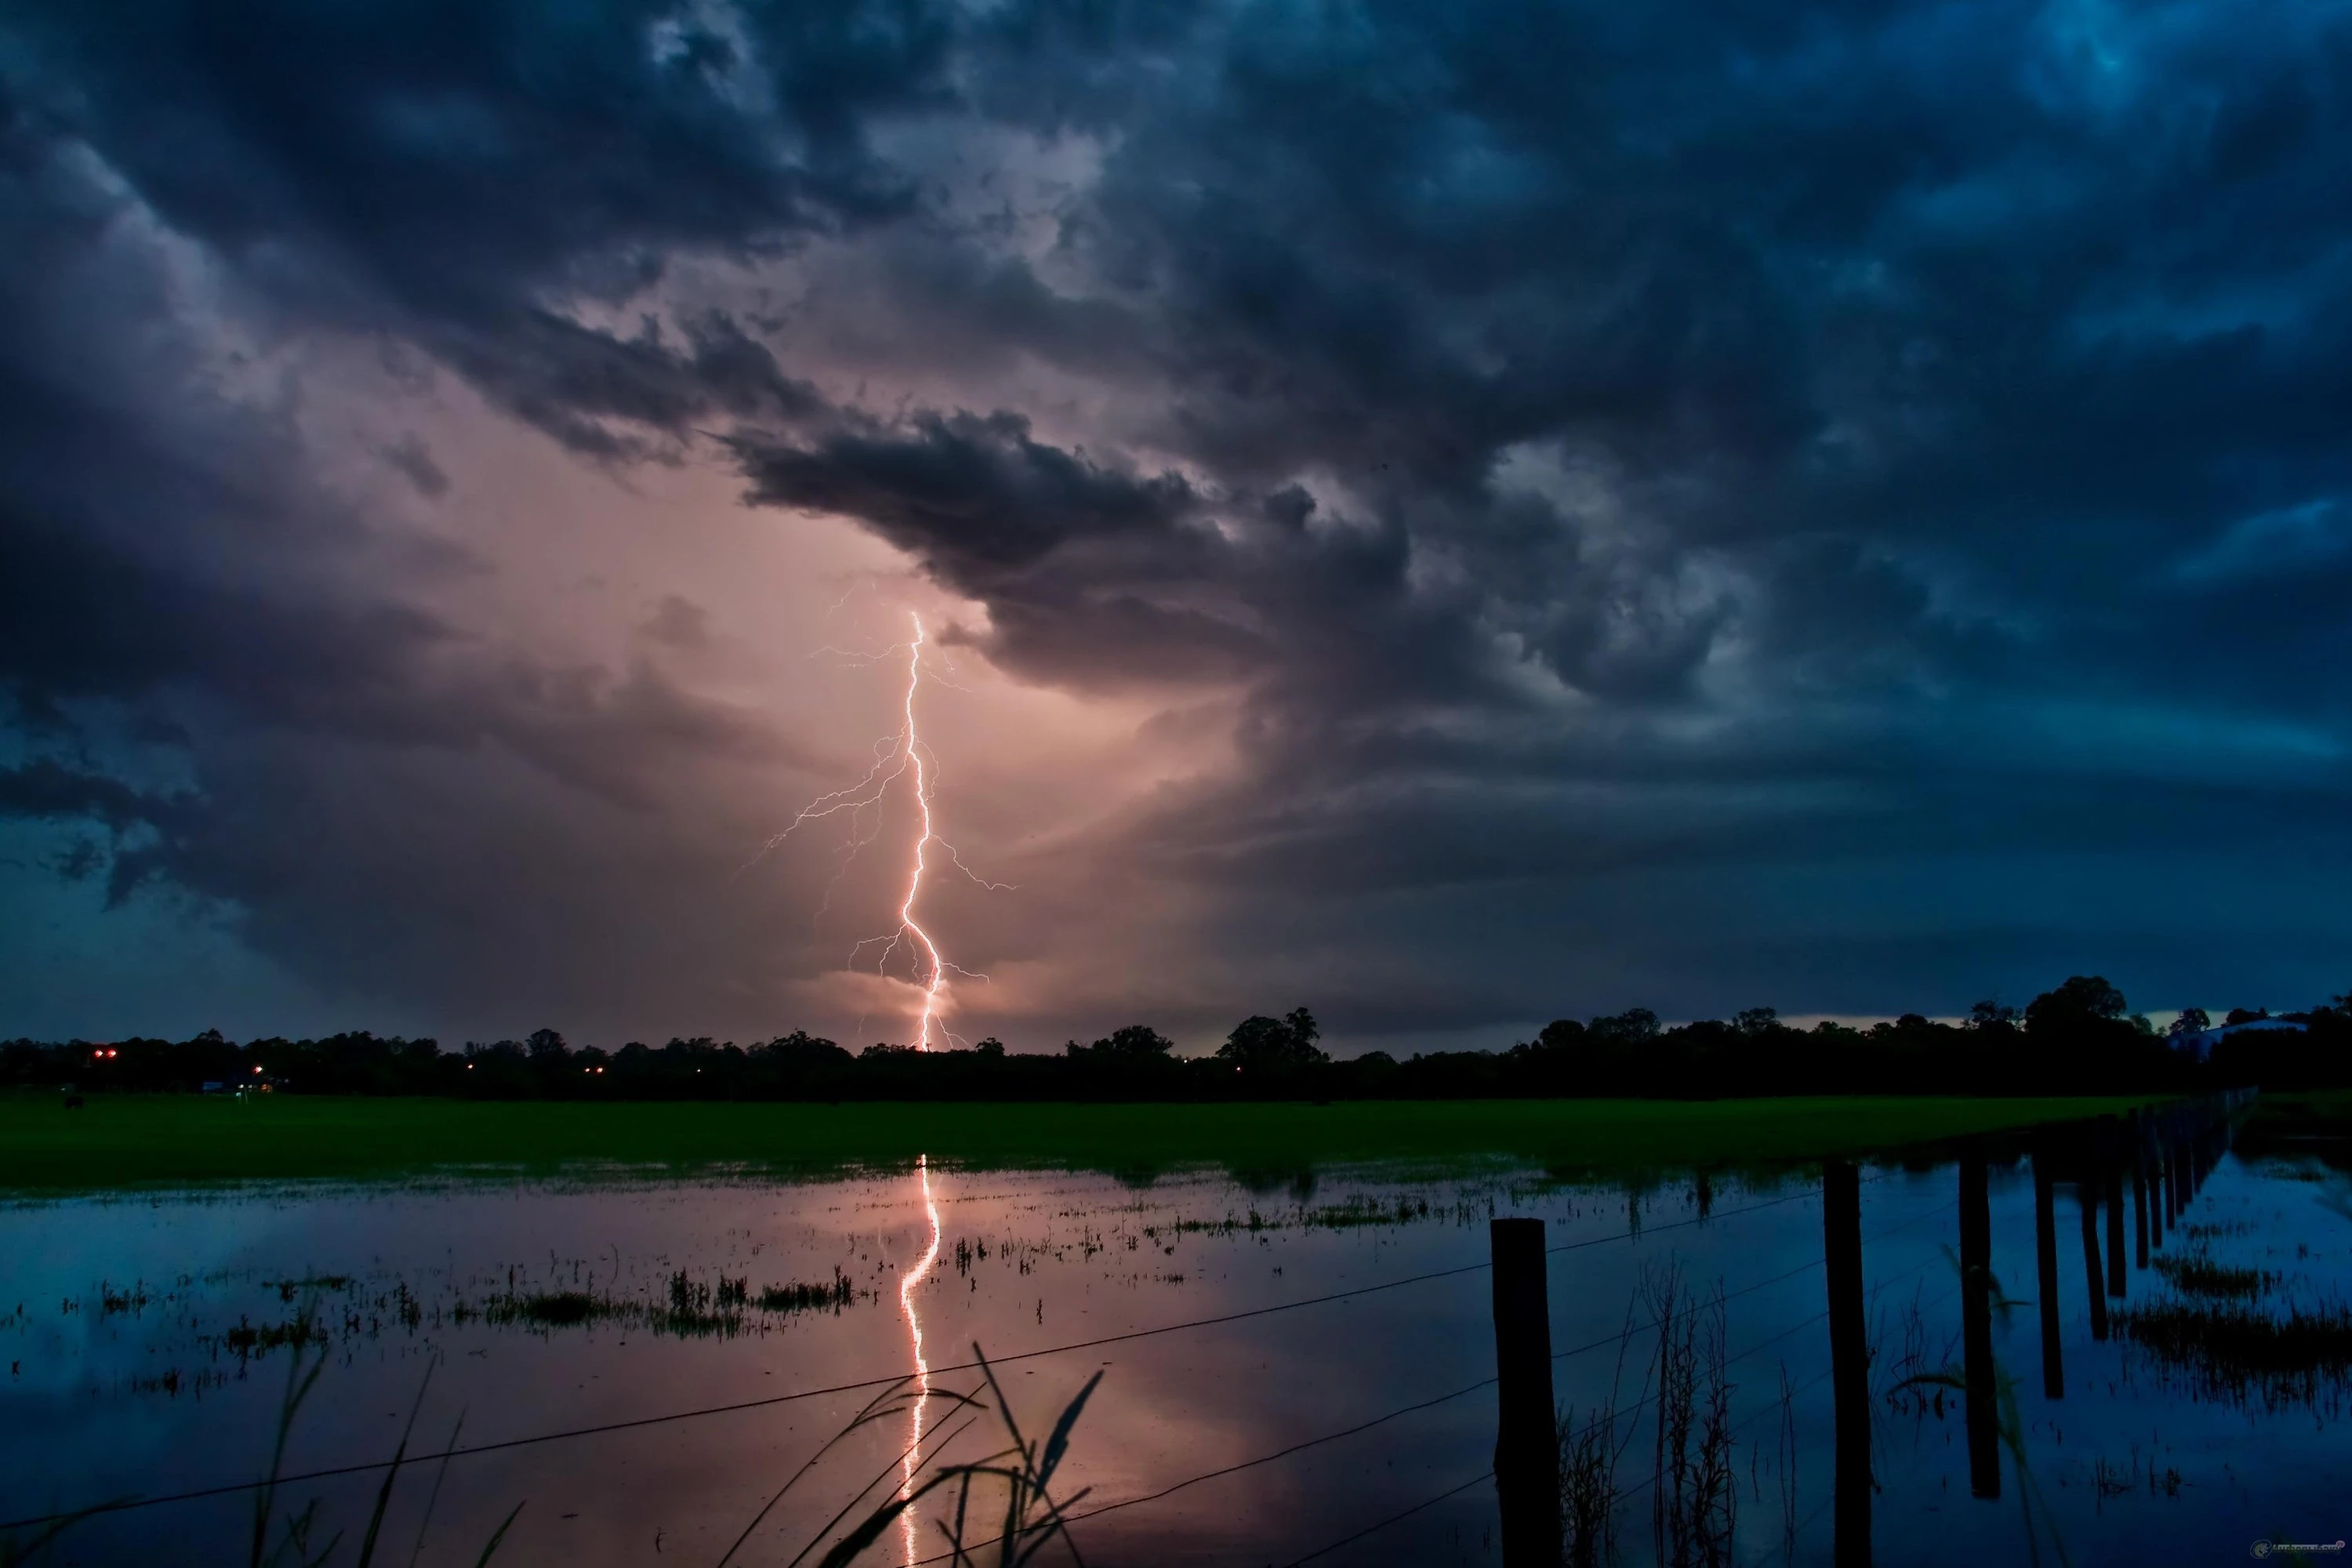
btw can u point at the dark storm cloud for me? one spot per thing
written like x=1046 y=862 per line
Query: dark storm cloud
x=439 y=171
x=199 y=665
x=1586 y=438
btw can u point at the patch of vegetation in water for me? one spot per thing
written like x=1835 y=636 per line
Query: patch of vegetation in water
x=1361 y=1210
x=807 y=1298
x=2195 y=1274
x=555 y=1308
x=248 y=1340
x=2236 y=1352
x=688 y=1309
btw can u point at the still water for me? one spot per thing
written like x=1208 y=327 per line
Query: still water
x=1302 y=1372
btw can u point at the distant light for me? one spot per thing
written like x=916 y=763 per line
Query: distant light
x=257 y=1067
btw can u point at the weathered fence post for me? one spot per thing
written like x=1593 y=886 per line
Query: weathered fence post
x=2086 y=1196
x=2045 y=1270
x=2175 y=1170
x=1849 y=1358
x=2138 y=1136
x=2111 y=1173
x=1976 y=1323
x=1527 y=1443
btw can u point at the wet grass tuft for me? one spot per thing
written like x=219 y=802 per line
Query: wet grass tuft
x=2194 y=1274
x=805 y=1297
x=553 y=1310
x=2235 y=1353
x=245 y=1338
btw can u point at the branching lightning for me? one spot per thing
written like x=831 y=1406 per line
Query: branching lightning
x=902 y=756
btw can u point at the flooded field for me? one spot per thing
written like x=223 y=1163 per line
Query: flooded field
x=1302 y=1370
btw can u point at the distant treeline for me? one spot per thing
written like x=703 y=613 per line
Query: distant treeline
x=2077 y=1038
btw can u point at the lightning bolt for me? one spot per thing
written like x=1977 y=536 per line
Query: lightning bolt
x=906 y=921
x=895 y=757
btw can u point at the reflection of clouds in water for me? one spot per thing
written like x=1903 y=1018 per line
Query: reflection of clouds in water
x=1098 y=1256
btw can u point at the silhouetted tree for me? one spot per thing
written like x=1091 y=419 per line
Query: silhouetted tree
x=1135 y=1043
x=2246 y=1016
x=2079 y=1000
x=1992 y=1015
x=1631 y=1027
x=1559 y=1035
x=2192 y=1020
x=1273 y=1044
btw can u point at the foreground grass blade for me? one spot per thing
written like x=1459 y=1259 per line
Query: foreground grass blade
x=383 y=1493
x=497 y=1536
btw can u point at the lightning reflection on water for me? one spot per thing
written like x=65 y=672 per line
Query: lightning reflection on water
x=907 y=1283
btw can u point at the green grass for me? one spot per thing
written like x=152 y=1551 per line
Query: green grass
x=135 y=1142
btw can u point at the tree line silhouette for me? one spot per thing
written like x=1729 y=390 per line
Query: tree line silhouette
x=2078 y=1037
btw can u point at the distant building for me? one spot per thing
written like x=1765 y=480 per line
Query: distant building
x=2198 y=1043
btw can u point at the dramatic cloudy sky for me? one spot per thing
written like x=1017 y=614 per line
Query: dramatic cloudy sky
x=1450 y=514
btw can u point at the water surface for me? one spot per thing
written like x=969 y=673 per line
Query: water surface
x=1320 y=1351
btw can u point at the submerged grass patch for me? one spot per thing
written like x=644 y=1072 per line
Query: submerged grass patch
x=808 y=1297
x=556 y=1310
x=128 y=1142
x=2194 y=1274
x=690 y=1307
x=2235 y=1352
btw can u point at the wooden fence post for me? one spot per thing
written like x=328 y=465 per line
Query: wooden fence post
x=1527 y=1442
x=1976 y=1323
x=2111 y=1173
x=2045 y=1272
x=2138 y=1136
x=2086 y=1195
x=1849 y=1358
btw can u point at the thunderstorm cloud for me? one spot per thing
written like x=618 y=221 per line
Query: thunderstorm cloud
x=1453 y=514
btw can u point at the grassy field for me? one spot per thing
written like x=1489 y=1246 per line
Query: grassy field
x=132 y=1141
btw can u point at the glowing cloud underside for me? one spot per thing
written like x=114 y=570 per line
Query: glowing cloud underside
x=902 y=756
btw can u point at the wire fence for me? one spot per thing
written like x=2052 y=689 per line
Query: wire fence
x=1619 y=1339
